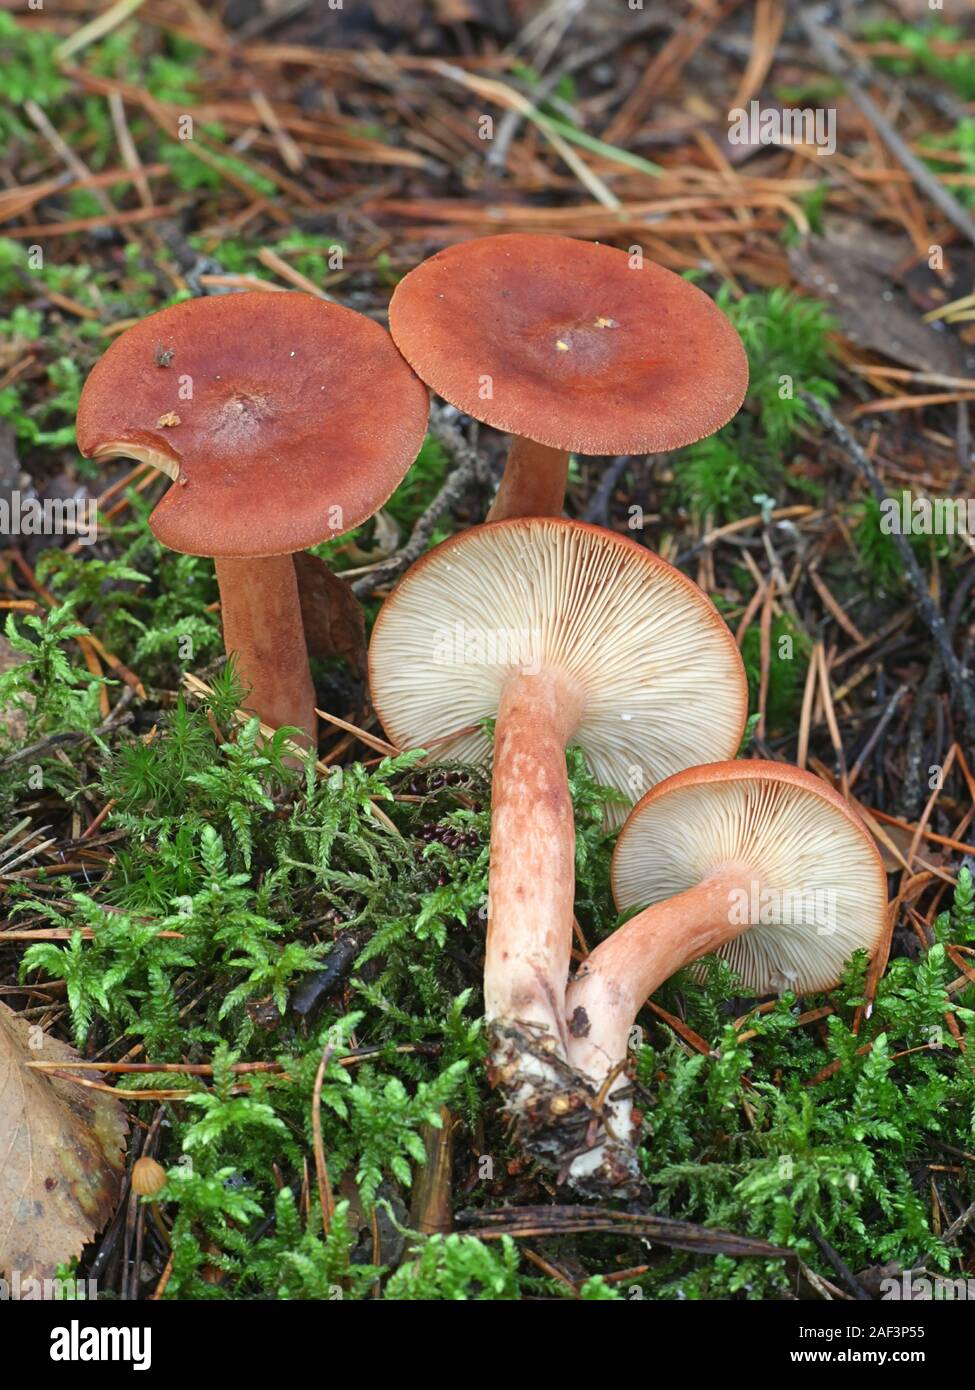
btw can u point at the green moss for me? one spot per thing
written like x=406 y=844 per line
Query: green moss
x=786 y=338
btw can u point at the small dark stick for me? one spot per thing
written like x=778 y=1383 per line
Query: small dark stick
x=310 y=994
x=838 y=1266
x=878 y=733
x=811 y=19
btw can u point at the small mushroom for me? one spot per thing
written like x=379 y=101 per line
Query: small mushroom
x=565 y=634
x=757 y=861
x=569 y=346
x=148 y=1177
x=283 y=421
x=148 y=1180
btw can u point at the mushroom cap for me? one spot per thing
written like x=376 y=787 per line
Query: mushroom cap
x=283 y=419
x=662 y=678
x=801 y=840
x=580 y=348
x=148 y=1177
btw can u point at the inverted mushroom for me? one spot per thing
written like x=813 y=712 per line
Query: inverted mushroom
x=757 y=861
x=570 y=347
x=283 y=421
x=564 y=633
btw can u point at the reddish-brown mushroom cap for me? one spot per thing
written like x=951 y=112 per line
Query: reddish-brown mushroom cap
x=575 y=345
x=283 y=419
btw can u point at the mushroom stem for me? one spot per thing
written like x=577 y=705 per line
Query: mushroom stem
x=626 y=968
x=532 y=875
x=262 y=624
x=533 y=482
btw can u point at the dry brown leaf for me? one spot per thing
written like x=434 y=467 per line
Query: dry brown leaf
x=332 y=618
x=382 y=542
x=875 y=312
x=61 y=1154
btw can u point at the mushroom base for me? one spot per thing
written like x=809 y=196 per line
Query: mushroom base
x=576 y=1116
x=558 y=1116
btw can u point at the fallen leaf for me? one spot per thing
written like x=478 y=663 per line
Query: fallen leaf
x=332 y=618
x=61 y=1154
x=385 y=539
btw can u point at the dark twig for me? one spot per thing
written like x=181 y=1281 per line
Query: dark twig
x=71 y=736
x=879 y=730
x=825 y=46
x=961 y=688
x=840 y=1267
x=470 y=470
x=598 y=510
x=556 y=1221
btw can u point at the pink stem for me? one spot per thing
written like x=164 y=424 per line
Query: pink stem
x=532 y=877
x=625 y=969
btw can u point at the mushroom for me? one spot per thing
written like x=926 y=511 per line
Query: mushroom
x=568 y=346
x=283 y=421
x=148 y=1180
x=564 y=633
x=757 y=861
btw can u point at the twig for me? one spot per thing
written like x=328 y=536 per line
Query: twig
x=598 y=509
x=826 y=47
x=567 y=1220
x=468 y=471
x=77 y=166
x=71 y=736
x=881 y=727
x=843 y=1270
x=956 y=1227
x=961 y=688
x=127 y=148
